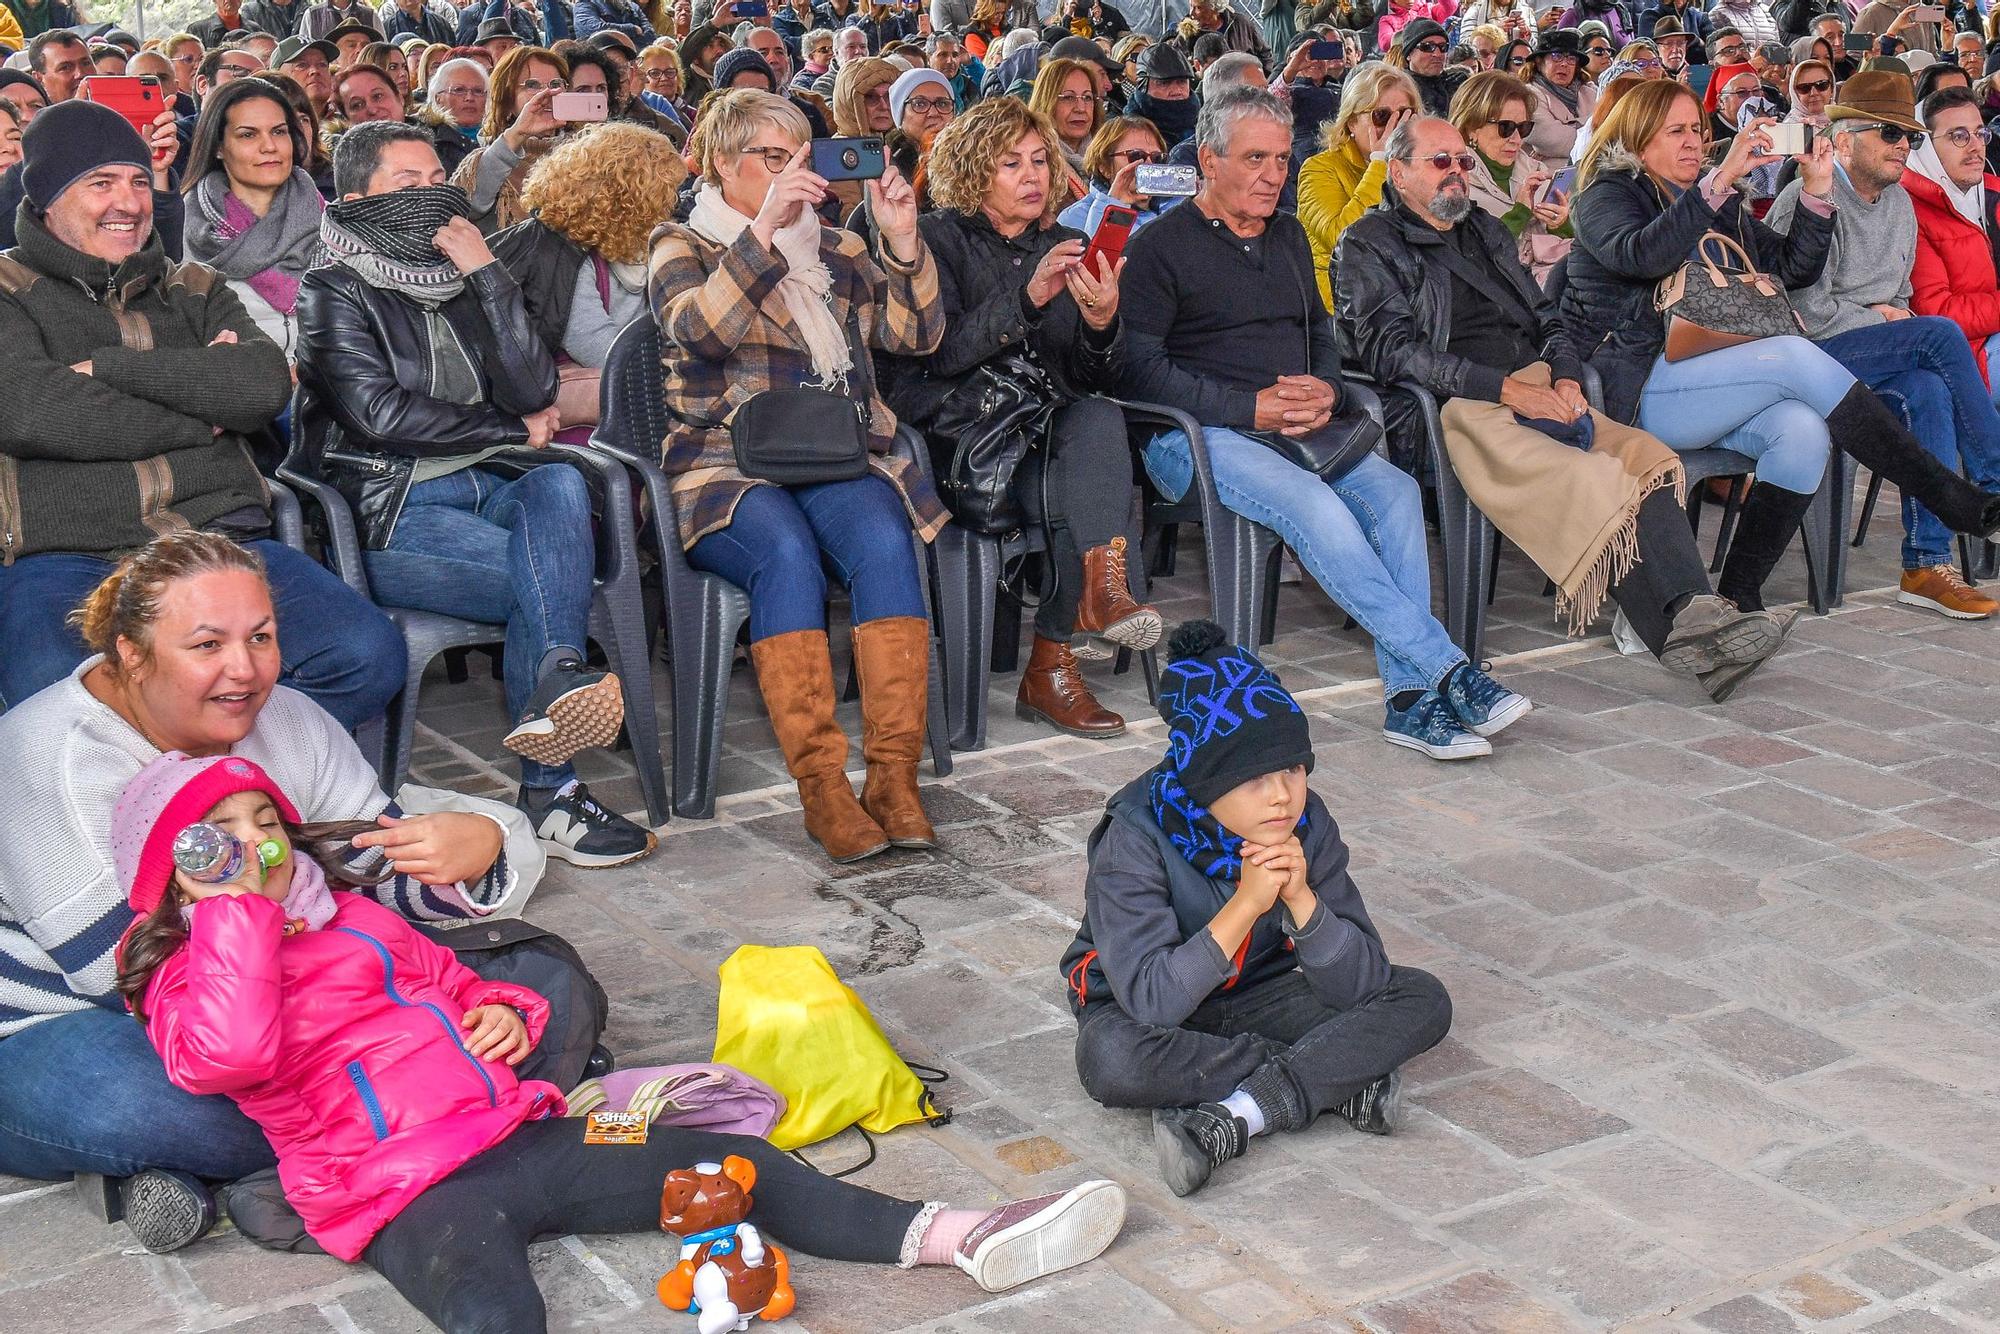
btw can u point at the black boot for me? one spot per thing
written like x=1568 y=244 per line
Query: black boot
x=1764 y=529
x=1863 y=426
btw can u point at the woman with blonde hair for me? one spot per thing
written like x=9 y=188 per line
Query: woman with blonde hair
x=1491 y=112
x=753 y=293
x=1344 y=179
x=987 y=26
x=520 y=125
x=1065 y=94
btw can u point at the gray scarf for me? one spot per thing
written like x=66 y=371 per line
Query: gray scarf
x=386 y=239
x=286 y=238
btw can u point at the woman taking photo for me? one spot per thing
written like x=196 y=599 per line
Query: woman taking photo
x=753 y=294
x=520 y=125
x=1020 y=308
x=252 y=212
x=1344 y=179
x=1120 y=147
x=1563 y=99
x=1644 y=199
x=1491 y=111
x=1066 y=95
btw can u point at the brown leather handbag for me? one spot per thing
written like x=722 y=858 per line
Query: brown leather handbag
x=1709 y=307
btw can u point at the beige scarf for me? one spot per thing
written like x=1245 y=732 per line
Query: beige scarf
x=806 y=287
x=1575 y=514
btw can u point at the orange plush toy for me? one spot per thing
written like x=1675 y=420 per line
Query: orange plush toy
x=726 y=1274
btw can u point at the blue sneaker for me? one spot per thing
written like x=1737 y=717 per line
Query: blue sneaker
x=1482 y=703
x=1430 y=726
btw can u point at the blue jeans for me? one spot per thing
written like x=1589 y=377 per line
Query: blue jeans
x=333 y=645
x=1768 y=400
x=1993 y=365
x=1361 y=537
x=773 y=545
x=1924 y=367
x=483 y=546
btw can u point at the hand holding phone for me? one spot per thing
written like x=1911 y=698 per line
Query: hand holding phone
x=135 y=97
x=1107 y=243
x=577 y=108
x=848 y=159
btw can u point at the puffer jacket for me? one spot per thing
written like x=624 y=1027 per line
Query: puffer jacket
x=1336 y=187
x=365 y=410
x=343 y=1045
x=1955 y=272
x=1630 y=233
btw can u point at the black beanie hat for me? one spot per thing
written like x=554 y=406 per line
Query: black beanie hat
x=742 y=60
x=68 y=141
x=1231 y=719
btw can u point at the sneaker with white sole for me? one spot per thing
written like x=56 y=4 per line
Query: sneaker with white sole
x=575 y=707
x=1431 y=726
x=1942 y=589
x=1486 y=707
x=1030 y=1238
x=572 y=827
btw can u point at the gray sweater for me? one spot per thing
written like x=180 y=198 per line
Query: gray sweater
x=1874 y=249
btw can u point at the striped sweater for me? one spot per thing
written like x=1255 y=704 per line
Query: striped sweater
x=62 y=910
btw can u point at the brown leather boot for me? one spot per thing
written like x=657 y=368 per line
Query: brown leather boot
x=795 y=674
x=892 y=658
x=1107 y=609
x=1053 y=691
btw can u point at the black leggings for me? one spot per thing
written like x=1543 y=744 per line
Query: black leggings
x=459 y=1251
x=1088 y=487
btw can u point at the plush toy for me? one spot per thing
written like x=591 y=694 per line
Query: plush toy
x=727 y=1273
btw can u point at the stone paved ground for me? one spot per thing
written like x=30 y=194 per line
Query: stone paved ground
x=1726 y=984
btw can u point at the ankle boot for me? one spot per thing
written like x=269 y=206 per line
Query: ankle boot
x=1764 y=529
x=892 y=658
x=1863 y=426
x=1107 y=608
x=1053 y=691
x=795 y=674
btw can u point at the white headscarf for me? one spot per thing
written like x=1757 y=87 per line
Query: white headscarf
x=1970 y=201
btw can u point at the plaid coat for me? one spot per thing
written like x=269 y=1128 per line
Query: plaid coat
x=729 y=336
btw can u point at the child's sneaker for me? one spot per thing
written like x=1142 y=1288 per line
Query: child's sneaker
x=1431 y=726
x=1482 y=703
x=571 y=826
x=1377 y=1109
x=1029 y=1238
x=575 y=707
x=1194 y=1141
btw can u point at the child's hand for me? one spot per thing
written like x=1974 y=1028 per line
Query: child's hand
x=1283 y=862
x=496 y=1032
x=248 y=881
x=1260 y=884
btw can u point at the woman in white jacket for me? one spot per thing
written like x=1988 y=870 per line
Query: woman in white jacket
x=252 y=212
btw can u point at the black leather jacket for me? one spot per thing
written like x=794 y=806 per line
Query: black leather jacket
x=365 y=413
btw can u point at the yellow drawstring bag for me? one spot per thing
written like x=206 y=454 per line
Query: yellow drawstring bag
x=786 y=1018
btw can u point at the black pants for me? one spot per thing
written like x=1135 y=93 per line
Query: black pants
x=1086 y=476
x=459 y=1252
x=1326 y=1055
x=1669 y=567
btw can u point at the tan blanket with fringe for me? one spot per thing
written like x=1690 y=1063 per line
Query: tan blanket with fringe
x=1576 y=514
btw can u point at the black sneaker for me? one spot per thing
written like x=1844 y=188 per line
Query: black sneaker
x=1194 y=1141
x=574 y=707
x=167 y=1210
x=571 y=826
x=1377 y=1109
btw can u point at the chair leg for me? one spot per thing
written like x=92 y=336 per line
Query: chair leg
x=967 y=575
x=704 y=640
x=402 y=727
x=1730 y=508
x=937 y=722
x=623 y=631
x=1868 y=509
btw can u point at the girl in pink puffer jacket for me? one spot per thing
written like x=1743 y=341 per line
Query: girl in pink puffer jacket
x=381 y=1070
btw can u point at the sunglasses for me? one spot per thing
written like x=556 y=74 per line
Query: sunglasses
x=1895 y=134
x=1813 y=86
x=1446 y=161
x=1382 y=117
x=1140 y=155
x=1508 y=129
x=1597 y=50
x=1432 y=48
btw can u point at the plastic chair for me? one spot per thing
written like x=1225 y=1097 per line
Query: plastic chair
x=617 y=615
x=287 y=519
x=704 y=612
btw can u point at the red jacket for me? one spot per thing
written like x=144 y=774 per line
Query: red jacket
x=344 y=1045
x=1954 y=274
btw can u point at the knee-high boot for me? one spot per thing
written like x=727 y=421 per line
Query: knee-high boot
x=1763 y=530
x=892 y=658
x=1865 y=427
x=795 y=674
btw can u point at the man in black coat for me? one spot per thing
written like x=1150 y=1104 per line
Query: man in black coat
x=1422 y=49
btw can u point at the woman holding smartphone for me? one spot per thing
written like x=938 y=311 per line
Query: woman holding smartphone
x=1492 y=111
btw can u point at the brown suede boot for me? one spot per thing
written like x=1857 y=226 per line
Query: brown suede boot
x=892 y=658
x=795 y=674
x=1054 y=691
x=1107 y=609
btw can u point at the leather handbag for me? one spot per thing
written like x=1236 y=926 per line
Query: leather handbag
x=805 y=435
x=1709 y=307
x=993 y=421
x=1349 y=435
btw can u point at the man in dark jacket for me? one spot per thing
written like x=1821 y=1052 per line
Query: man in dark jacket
x=417 y=366
x=129 y=397
x=1422 y=49
x=216 y=28
x=1431 y=294
x=414 y=16
x=276 y=17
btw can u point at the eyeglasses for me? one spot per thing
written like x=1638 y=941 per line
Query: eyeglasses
x=775 y=160
x=1964 y=138
x=1508 y=129
x=466 y=92
x=240 y=70
x=1382 y=117
x=1647 y=64
x=1140 y=155
x=536 y=85
x=1432 y=48
x=923 y=106
x=1730 y=55
x=1894 y=134
x=1446 y=161
x=662 y=75
x=1077 y=99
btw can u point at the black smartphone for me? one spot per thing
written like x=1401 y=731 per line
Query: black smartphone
x=855 y=159
x=1327 y=51
x=1859 y=43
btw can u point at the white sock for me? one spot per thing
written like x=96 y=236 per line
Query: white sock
x=1245 y=1106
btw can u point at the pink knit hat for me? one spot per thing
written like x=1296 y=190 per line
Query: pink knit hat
x=165 y=797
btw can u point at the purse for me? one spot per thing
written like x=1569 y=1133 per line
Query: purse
x=993 y=420
x=1332 y=450
x=805 y=435
x=1708 y=307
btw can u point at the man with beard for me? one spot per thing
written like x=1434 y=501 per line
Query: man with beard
x=1431 y=292
x=1166 y=93
x=1859 y=312
x=1422 y=50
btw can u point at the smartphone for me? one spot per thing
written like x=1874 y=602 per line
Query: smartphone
x=1790 y=138
x=135 y=97
x=1327 y=51
x=854 y=159
x=1927 y=14
x=750 y=9
x=1558 y=184
x=1166 y=179
x=1113 y=230
x=1859 y=43
x=578 y=107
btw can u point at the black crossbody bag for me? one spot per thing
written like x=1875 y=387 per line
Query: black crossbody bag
x=806 y=435
x=1348 y=436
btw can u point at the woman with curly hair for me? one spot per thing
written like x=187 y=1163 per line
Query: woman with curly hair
x=581 y=258
x=520 y=125
x=1021 y=311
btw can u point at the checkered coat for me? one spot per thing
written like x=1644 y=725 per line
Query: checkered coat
x=729 y=336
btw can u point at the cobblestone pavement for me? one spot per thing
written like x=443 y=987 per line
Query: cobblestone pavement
x=1726 y=982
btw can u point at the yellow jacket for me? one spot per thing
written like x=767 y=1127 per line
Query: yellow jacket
x=1335 y=188
x=10 y=30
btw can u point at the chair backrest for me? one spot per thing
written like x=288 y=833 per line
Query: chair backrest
x=632 y=410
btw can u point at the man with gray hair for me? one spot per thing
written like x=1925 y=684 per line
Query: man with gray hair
x=1223 y=321
x=1237 y=69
